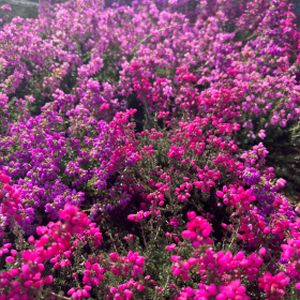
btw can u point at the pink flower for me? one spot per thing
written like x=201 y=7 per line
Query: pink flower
x=171 y=247
x=274 y=285
x=5 y=7
x=10 y=259
x=198 y=230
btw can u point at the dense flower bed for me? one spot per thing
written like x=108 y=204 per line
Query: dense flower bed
x=133 y=158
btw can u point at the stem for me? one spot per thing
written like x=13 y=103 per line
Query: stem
x=166 y=284
x=233 y=237
x=113 y=242
x=59 y=296
x=148 y=115
x=143 y=236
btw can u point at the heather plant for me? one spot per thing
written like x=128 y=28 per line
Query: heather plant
x=150 y=153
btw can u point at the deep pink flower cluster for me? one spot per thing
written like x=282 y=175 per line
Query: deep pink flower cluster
x=11 y=204
x=134 y=151
x=274 y=286
x=198 y=230
x=26 y=271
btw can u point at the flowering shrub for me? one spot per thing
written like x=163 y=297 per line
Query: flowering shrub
x=138 y=151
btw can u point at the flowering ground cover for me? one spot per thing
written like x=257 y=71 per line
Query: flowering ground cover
x=147 y=152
